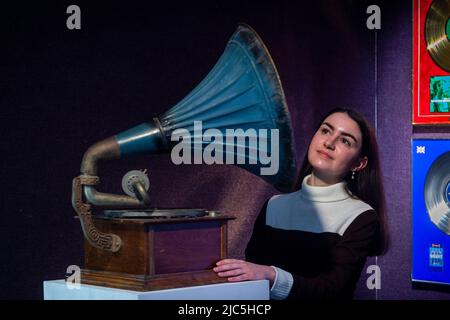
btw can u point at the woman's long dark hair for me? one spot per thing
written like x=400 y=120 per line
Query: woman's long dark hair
x=367 y=184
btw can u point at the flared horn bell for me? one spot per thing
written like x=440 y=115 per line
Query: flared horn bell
x=241 y=96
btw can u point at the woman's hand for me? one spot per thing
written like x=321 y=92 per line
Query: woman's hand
x=240 y=270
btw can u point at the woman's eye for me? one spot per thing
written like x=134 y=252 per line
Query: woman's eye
x=346 y=142
x=324 y=130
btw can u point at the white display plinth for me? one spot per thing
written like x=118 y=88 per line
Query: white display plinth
x=247 y=290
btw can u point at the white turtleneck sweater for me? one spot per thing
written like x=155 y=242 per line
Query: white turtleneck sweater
x=321 y=227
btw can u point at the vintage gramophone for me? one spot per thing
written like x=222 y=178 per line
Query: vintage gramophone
x=133 y=246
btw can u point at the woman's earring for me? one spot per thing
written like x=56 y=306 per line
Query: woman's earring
x=353 y=175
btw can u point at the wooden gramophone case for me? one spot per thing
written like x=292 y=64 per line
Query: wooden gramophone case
x=158 y=253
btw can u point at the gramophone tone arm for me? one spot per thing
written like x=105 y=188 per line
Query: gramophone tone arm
x=141 y=193
x=103 y=150
x=110 y=200
x=83 y=187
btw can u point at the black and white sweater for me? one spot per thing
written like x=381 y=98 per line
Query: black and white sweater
x=317 y=239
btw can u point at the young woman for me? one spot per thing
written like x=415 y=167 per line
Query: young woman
x=313 y=243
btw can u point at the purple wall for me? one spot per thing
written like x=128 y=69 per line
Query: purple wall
x=66 y=90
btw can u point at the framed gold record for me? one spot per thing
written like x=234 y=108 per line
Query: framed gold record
x=437 y=29
x=431 y=62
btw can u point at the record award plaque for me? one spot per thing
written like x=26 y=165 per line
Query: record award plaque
x=431 y=62
x=431 y=211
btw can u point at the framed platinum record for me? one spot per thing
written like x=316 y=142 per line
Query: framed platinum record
x=431 y=211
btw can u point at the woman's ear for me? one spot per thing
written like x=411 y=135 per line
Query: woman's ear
x=361 y=164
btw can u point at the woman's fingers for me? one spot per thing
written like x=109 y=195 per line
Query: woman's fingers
x=234 y=272
x=229 y=264
x=228 y=261
x=230 y=268
x=233 y=269
x=240 y=270
x=226 y=267
x=242 y=277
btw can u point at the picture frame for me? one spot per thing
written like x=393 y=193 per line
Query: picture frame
x=430 y=238
x=431 y=82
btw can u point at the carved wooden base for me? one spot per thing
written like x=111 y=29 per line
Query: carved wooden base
x=149 y=283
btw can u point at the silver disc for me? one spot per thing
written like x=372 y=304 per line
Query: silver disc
x=437 y=192
x=130 y=178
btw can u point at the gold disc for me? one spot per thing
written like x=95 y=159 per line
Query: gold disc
x=437 y=33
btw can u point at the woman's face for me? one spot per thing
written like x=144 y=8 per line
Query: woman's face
x=335 y=147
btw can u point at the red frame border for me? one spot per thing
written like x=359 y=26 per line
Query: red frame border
x=424 y=68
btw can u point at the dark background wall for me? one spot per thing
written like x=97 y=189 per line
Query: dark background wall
x=62 y=90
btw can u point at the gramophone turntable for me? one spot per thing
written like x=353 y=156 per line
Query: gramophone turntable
x=128 y=243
